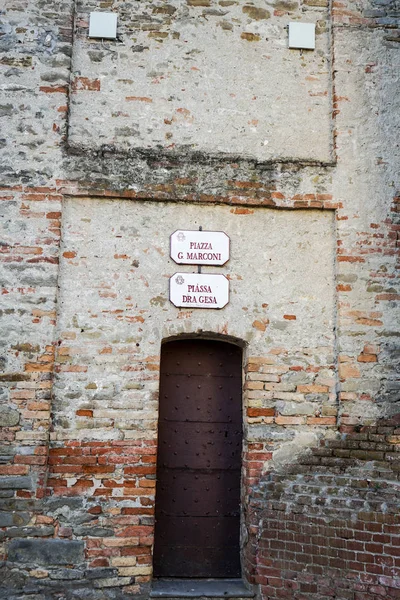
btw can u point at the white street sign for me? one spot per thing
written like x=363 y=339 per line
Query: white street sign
x=200 y=247
x=199 y=290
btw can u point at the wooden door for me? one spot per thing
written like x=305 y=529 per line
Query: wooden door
x=199 y=460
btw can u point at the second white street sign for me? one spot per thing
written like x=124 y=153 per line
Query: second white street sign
x=199 y=290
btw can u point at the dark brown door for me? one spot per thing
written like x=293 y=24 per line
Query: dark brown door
x=199 y=460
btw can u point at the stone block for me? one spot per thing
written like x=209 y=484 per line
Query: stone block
x=18 y=532
x=66 y=574
x=93 y=531
x=112 y=582
x=11 y=503
x=46 y=552
x=16 y=483
x=55 y=503
x=295 y=408
x=10 y=518
x=100 y=573
x=9 y=417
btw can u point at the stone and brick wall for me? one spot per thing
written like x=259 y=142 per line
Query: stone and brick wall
x=203 y=76
x=29 y=257
x=199 y=115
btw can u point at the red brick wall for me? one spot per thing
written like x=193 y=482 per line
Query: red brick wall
x=331 y=529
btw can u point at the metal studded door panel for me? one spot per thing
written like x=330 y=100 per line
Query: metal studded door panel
x=199 y=460
x=202 y=406
x=190 y=561
x=205 y=530
x=197 y=445
x=205 y=494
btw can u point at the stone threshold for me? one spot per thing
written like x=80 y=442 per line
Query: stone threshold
x=199 y=588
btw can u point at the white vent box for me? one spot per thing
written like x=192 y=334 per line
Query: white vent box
x=103 y=25
x=302 y=35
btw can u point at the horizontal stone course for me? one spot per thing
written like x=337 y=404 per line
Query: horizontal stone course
x=16 y=483
x=45 y=552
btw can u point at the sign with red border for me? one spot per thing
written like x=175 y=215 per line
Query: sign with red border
x=200 y=247
x=199 y=290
